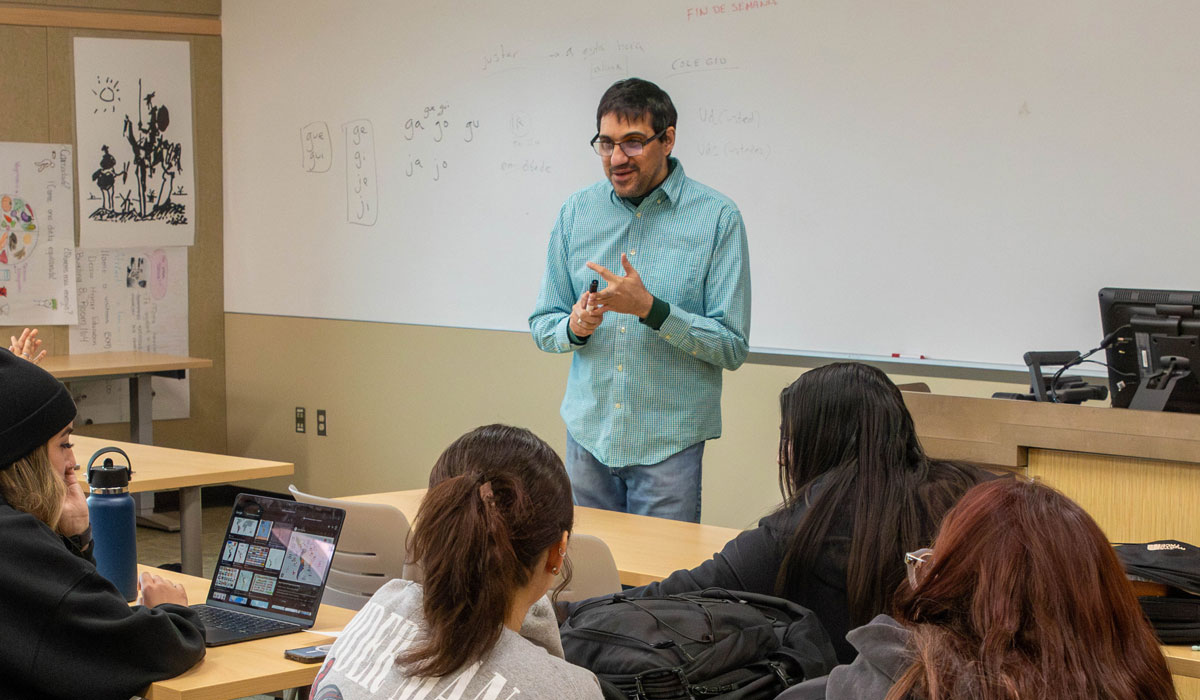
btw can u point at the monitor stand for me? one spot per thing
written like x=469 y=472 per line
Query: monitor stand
x=1154 y=393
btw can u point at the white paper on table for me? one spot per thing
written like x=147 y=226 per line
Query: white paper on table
x=131 y=299
x=37 y=235
x=133 y=126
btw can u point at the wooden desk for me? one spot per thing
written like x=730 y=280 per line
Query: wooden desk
x=163 y=468
x=246 y=668
x=646 y=549
x=138 y=367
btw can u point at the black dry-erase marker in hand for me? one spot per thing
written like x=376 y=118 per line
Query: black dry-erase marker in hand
x=595 y=285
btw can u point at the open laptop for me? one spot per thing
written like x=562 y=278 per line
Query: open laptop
x=271 y=570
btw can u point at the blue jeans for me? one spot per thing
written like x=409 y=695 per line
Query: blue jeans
x=669 y=489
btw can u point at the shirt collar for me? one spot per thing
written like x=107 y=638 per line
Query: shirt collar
x=672 y=187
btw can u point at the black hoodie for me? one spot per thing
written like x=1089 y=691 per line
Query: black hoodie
x=67 y=632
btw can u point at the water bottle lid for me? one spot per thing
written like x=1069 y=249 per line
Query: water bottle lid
x=108 y=475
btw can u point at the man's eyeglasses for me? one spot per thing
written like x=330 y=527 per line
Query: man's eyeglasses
x=631 y=147
x=914 y=561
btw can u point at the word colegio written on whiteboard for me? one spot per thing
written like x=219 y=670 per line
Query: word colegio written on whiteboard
x=691 y=65
x=726 y=8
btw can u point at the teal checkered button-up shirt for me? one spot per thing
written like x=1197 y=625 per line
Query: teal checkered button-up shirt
x=636 y=395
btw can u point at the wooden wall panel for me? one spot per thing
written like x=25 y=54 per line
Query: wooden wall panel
x=1133 y=500
x=46 y=80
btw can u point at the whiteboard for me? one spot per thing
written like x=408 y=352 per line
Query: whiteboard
x=955 y=180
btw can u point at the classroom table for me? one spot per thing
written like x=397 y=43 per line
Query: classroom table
x=245 y=668
x=163 y=468
x=135 y=365
x=645 y=549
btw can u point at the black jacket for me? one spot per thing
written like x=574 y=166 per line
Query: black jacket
x=752 y=560
x=883 y=655
x=66 y=632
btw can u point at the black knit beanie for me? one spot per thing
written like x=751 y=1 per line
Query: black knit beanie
x=34 y=406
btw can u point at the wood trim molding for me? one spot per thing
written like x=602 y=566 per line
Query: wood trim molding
x=117 y=21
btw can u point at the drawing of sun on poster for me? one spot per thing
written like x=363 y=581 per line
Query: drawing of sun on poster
x=133 y=113
x=37 y=235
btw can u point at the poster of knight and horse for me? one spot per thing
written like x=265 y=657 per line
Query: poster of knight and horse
x=135 y=152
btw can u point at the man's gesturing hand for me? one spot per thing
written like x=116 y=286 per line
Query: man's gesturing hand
x=626 y=295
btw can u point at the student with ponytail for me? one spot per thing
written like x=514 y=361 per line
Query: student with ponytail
x=490 y=536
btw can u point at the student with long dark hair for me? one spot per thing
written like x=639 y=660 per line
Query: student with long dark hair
x=490 y=536
x=66 y=631
x=858 y=492
x=1020 y=597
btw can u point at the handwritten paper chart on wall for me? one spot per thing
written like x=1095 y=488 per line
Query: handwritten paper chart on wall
x=898 y=166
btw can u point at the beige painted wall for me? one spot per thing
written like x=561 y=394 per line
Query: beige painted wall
x=396 y=395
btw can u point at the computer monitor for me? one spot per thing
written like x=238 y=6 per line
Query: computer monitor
x=1154 y=354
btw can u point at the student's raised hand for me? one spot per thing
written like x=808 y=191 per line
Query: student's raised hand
x=27 y=346
x=156 y=590
x=626 y=295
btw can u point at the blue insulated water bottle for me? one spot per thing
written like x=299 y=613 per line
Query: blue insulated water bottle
x=113 y=515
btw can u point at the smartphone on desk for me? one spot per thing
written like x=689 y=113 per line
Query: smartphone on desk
x=308 y=655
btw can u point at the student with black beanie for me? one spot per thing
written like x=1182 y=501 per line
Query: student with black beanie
x=65 y=630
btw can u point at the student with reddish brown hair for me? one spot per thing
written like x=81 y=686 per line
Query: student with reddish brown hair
x=490 y=536
x=1020 y=597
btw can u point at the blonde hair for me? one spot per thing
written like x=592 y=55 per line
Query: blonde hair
x=31 y=485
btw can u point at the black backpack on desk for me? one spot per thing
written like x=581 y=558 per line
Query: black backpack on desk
x=709 y=644
x=1175 y=617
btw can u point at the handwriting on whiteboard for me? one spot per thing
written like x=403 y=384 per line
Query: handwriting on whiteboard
x=728 y=8
x=738 y=150
x=432 y=128
x=697 y=64
x=362 y=191
x=316 y=148
x=720 y=116
x=501 y=57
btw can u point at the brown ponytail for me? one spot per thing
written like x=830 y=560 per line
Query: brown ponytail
x=499 y=497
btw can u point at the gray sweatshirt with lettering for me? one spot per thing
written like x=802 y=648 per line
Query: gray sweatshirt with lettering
x=362 y=663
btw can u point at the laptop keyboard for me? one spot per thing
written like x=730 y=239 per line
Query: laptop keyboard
x=238 y=622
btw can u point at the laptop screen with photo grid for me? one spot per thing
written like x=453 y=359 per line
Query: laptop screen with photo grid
x=275 y=558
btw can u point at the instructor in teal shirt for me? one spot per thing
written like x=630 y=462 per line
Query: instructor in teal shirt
x=671 y=313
